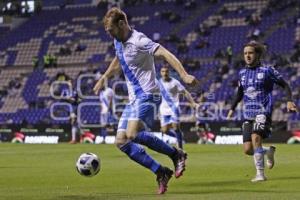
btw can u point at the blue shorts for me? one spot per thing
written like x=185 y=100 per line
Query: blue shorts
x=144 y=110
x=169 y=119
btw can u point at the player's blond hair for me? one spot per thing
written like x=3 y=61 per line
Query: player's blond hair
x=115 y=14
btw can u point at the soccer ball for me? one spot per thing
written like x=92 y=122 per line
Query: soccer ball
x=88 y=164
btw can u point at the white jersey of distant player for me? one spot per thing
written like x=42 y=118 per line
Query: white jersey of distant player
x=106 y=97
x=138 y=54
x=172 y=88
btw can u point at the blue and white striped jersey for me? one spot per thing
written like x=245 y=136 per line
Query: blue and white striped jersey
x=170 y=96
x=257 y=84
x=106 y=97
x=136 y=57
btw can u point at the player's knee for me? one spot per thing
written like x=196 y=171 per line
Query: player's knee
x=175 y=127
x=248 y=152
x=119 y=144
x=247 y=147
x=164 y=129
x=134 y=127
x=120 y=140
x=131 y=136
x=256 y=140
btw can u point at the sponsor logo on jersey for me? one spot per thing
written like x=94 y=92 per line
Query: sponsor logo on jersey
x=260 y=75
x=251 y=92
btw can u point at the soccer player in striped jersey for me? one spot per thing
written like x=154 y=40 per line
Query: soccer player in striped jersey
x=106 y=97
x=169 y=109
x=256 y=83
x=135 y=54
x=74 y=99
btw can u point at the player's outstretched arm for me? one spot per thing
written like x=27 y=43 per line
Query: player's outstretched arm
x=190 y=99
x=236 y=100
x=291 y=107
x=113 y=68
x=176 y=64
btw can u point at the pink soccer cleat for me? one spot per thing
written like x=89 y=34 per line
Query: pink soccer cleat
x=179 y=162
x=163 y=178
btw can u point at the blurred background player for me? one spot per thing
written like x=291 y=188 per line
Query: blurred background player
x=204 y=133
x=255 y=87
x=169 y=108
x=106 y=97
x=202 y=126
x=135 y=56
x=75 y=126
x=70 y=95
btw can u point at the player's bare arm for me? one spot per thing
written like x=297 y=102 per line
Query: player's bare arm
x=113 y=68
x=190 y=99
x=175 y=63
x=291 y=107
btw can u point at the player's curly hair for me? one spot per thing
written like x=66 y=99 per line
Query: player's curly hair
x=259 y=48
x=115 y=14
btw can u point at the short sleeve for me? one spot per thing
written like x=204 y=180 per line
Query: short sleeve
x=241 y=78
x=146 y=45
x=115 y=46
x=179 y=86
x=110 y=93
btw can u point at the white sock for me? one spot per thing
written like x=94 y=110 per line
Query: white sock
x=74 y=130
x=266 y=149
x=259 y=161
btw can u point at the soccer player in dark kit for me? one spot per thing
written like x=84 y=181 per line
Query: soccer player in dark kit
x=256 y=83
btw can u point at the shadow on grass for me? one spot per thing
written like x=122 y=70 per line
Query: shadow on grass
x=232 y=186
x=216 y=183
x=110 y=196
x=82 y=197
x=16 y=167
x=195 y=188
x=285 y=178
x=227 y=191
x=238 y=182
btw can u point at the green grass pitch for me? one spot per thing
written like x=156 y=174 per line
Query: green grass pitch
x=38 y=172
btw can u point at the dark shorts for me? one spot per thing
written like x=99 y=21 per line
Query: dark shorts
x=250 y=126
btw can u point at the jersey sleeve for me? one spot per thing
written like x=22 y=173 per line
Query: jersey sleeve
x=146 y=45
x=111 y=93
x=180 y=87
x=115 y=47
x=241 y=78
x=274 y=75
